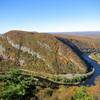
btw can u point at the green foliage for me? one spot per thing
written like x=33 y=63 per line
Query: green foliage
x=49 y=92
x=16 y=85
x=65 y=80
x=81 y=94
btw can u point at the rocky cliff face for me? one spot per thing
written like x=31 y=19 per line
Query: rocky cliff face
x=41 y=52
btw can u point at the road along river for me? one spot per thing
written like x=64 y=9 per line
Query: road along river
x=96 y=66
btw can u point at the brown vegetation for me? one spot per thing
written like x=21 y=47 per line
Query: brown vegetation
x=43 y=52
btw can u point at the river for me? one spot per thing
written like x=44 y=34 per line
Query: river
x=96 y=66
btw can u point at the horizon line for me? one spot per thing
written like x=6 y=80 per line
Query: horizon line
x=51 y=31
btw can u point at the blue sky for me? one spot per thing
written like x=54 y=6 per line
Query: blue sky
x=50 y=15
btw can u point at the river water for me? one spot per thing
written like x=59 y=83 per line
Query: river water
x=96 y=66
x=92 y=79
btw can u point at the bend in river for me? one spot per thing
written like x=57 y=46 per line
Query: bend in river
x=96 y=66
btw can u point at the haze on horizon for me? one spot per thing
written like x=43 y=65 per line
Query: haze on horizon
x=50 y=15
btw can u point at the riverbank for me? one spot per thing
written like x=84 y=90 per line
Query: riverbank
x=75 y=79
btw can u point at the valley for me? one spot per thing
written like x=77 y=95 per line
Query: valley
x=56 y=63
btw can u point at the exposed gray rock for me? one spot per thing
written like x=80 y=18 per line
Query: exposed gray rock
x=28 y=50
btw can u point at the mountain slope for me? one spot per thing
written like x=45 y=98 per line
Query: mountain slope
x=40 y=52
x=87 y=43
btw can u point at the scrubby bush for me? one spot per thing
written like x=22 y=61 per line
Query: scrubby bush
x=49 y=92
x=81 y=94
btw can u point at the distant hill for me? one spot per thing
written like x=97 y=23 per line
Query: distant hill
x=41 y=52
x=87 y=40
x=82 y=33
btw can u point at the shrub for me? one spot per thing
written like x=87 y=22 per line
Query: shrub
x=49 y=92
x=81 y=94
x=16 y=85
